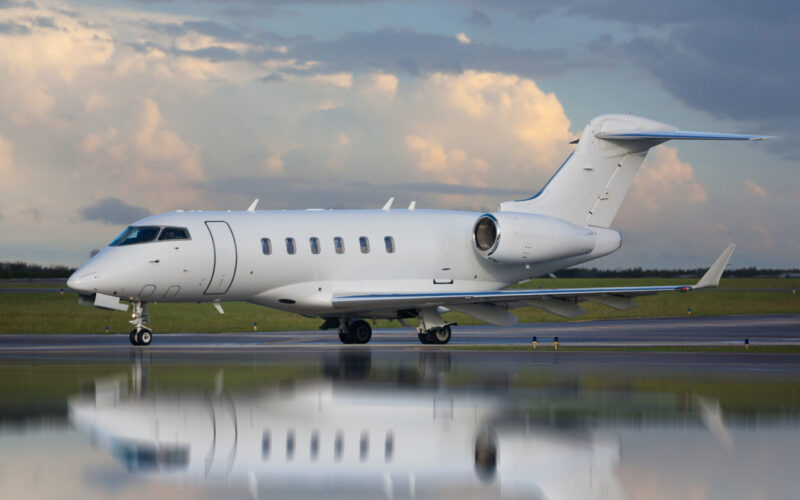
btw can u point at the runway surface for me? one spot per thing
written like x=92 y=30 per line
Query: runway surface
x=398 y=344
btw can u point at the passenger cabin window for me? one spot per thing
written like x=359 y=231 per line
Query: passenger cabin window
x=289 y=444
x=173 y=233
x=364 y=446
x=314 y=444
x=388 y=451
x=338 y=244
x=266 y=246
x=314 y=242
x=389 y=241
x=338 y=446
x=265 y=445
x=291 y=248
x=363 y=242
x=136 y=234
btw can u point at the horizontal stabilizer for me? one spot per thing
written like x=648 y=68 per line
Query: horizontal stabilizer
x=677 y=134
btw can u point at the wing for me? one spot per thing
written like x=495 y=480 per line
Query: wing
x=560 y=301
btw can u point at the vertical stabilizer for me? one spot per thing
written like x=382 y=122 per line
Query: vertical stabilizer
x=590 y=186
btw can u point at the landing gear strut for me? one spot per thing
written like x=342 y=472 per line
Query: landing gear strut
x=141 y=334
x=356 y=332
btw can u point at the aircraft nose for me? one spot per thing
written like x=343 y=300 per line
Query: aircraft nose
x=81 y=280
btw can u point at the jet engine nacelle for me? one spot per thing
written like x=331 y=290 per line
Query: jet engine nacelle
x=515 y=238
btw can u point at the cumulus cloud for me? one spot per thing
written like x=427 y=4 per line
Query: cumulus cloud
x=113 y=211
x=454 y=166
x=663 y=189
x=382 y=83
x=342 y=80
x=62 y=46
x=753 y=189
x=525 y=128
x=275 y=166
x=158 y=144
x=463 y=38
x=6 y=156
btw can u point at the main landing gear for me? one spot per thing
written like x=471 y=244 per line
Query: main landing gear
x=432 y=328
x=436 y=335
x=355 y=332
x=141 y=334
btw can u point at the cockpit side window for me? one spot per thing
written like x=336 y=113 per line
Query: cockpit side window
x=174 y=233
x=136 y=234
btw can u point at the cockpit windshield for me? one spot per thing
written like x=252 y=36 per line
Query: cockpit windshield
x=144 y=234
x=136 y=234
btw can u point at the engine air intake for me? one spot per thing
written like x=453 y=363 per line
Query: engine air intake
x=486 y=234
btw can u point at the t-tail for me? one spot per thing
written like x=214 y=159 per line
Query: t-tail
x=590 y=186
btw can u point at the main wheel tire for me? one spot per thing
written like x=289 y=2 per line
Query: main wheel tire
x=441 y=335
x=145 y=337
x=423 y=337
x=360 y=331
x=345 y=338
x=132 y=337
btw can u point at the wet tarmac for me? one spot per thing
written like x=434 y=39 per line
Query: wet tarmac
x=299 y=415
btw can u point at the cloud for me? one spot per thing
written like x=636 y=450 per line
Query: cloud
x=407 y=51
x=113 y=211
x=275 y=166
x=754 y=189
x=342 y=80
x=664 y=189
x=61 y=46
x=452 y=166
x=479 y=19
x=301 y=192
x=157 y=144
x=95 y=101
x=463 y=38
x=382 y=83
x=529 y=125
x=6 y=157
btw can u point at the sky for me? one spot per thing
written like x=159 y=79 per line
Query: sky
x=113 y=110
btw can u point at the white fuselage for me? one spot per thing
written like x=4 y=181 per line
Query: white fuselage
x=433 y=251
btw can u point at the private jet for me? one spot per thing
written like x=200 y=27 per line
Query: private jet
x=349 y=266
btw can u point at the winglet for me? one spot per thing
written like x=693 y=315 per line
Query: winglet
x=388 y=205
x=252 y=207
x=714 y=273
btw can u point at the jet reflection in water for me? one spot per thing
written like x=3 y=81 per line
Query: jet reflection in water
x=335 y=437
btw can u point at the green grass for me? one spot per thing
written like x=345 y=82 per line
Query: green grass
x=50 y=312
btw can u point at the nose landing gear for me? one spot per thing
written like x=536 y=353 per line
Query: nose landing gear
x=141 y=334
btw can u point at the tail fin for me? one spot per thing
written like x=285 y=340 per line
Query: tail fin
x=590 y=186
